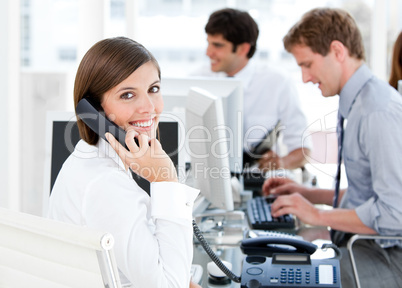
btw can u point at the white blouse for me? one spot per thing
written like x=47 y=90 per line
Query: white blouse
x=153 y=235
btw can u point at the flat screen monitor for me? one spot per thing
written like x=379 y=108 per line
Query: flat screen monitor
x=62 y=135
x=175 y=92
x=207 y=146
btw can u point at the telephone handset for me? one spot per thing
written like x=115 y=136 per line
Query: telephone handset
x=266 y=246
x=267 y=141
x=98 y=121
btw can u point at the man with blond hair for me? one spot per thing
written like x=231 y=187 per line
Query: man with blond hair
x=328 y=47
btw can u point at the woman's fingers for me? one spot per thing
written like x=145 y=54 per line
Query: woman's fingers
x=143 y=141
x=120 y=150
x=130 y=140
x=145 y=158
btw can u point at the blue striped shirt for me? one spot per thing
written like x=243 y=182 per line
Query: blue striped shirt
x=372 y=152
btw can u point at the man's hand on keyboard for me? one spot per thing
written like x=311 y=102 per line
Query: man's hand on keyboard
x=297 y=205
x=281 y=186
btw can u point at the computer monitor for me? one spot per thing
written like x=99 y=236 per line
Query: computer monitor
x=207 y=146
x=175 y=92
x=62 y=135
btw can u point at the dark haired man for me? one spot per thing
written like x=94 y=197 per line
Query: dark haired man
x=269 y=95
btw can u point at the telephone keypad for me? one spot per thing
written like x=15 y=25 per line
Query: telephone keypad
x=294 y=276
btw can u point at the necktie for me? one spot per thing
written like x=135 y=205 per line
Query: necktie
x=339 y=131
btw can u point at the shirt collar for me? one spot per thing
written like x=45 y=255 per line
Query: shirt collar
x=352 y=88
x=102 y=149
x=245 y=74
x=106 y=150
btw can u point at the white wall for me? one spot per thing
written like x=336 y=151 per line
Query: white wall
x=10 y=101
x=41 y=92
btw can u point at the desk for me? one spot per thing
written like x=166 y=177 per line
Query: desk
x=233 y=254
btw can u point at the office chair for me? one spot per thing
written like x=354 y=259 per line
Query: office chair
x=357 y=237
x=39 y=252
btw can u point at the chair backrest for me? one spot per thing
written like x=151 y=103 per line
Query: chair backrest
x=39 y=252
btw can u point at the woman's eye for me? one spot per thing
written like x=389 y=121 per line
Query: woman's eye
x=154 y=89
x=127 y=95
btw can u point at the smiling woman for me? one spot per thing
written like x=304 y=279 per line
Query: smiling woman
x=137 y=106
x=153 y=235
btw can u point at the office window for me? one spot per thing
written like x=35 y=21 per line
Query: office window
x=50 y=24
x=174 y=31
x=117 y=9
x=68 y=54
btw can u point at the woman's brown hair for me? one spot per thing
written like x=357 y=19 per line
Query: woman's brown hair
x=396 y=63
x=105 y=65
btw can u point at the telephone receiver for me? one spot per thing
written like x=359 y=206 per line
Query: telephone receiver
x=98 y=121
x=267 y=246
x=267 y=141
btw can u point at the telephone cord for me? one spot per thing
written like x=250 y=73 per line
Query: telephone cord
x=212 y=254
x=338 y=252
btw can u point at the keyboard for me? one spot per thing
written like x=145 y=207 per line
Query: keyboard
x=259 y=215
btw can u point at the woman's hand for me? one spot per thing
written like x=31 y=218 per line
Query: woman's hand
x=146 y=159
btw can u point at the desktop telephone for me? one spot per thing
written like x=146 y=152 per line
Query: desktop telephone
x=290 y=270
x=278 y=262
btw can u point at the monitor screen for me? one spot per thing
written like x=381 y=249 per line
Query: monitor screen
x=207 y=146
x=175 y=93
